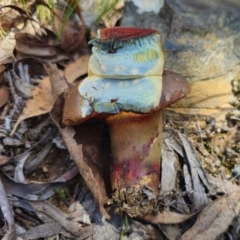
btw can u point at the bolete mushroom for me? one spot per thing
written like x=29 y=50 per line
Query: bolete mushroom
x=128 y=88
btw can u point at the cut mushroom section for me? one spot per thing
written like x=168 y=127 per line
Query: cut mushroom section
x=128 y=88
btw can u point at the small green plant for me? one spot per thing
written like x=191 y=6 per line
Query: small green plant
x=45 y=16
x=124 y=227
x=61 y=192
x=68 y=10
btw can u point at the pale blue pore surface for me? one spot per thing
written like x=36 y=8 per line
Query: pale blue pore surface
x=113 y=95
x=130 y=61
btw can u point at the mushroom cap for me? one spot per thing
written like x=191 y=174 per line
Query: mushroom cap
x=125 y=74
x=174 y=87
x=124 y=33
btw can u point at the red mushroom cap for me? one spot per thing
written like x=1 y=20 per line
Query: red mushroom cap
x=125 y=33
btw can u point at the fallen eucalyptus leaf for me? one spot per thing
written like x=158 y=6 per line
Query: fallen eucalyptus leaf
x=71 y=225
x=222 y=185
x=197 y=175
x=23 y=88
x=45 y=230
x=4 y=95
x=41 y=102
x=92 y=179
x=167 y=217
x=28 y=45
x=18 y=174
x=7 y=212
x=215 y=218
x=29 y=191
x=77 y=68
x=7 y=46
x=169 y=160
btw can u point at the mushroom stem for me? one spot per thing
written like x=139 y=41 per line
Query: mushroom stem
x=136 y=141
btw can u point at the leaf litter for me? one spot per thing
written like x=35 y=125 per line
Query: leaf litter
x=32 y=171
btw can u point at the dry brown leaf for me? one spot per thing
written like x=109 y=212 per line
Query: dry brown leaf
x=62 y=218
x=4 y=159
x=167 y=217
x=215 y=218
x=28 y=45
x=222 y=185
x=7 y=46
x=4 y=92
x=41 y=103
x=4 y=95
x=9 y=18
x=2 y=68
x=77 y=69
x=44 y=95
x=73 y=30
x=91 y=179
x=111 y=18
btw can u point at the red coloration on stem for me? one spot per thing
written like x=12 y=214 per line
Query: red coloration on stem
x=125 y=33
x=136 y=148
x=132 y=171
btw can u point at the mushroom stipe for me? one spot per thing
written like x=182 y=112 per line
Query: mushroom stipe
x=128 y=88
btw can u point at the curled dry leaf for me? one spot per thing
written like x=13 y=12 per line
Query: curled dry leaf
x=30 y=191
x=167 y=217
x=9 y=18
x=7 y=46
x=169 y=162
x=23 y=88
x=198 y=175
x=4 y=93
x=28 y=45
x=41 y=102
x=63 y=219
x=31 y=66
x=222 y=185
x=77 y=68
x=215 y=218
x=44 y=95
x=7 y=212
x=92 y=179
x=45 y=230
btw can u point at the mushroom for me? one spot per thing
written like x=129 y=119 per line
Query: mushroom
x=128 y=88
